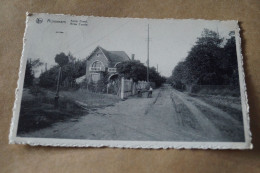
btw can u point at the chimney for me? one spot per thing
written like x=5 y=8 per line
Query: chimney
x=133 y=57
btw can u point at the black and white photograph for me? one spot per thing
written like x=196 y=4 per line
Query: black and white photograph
x=133 y=83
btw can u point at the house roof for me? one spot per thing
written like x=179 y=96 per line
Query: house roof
x=115 y=56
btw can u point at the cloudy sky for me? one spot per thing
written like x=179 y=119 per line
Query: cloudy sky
x=170 y=39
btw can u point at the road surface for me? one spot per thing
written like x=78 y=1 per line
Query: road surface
x=169 y=116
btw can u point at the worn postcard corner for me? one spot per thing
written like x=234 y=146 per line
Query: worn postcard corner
x=88 y=81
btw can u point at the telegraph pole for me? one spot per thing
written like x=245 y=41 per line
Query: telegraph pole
x=148 y=39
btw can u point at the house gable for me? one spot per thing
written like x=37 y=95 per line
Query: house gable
x=96 y=55
x=105 y=60
x=97 y=50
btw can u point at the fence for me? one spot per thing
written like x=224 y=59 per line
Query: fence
x=123 y=87
x=128 y=87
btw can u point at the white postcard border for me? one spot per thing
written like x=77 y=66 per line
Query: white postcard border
x=13 y=139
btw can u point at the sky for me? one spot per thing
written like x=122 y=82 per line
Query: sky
x=170 y=40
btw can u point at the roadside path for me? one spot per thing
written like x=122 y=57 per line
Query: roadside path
x=216 y=123
x=169 y=116
x=208 y=128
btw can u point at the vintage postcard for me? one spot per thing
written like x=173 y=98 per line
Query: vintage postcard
x=89 y=81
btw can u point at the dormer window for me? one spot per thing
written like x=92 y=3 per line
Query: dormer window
x=97 y=66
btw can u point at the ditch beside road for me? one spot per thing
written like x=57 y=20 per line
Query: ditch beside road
x=169 y=116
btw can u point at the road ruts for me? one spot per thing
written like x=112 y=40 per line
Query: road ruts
x=169 y=116
x=217 y=124
x=165 y=112
x=208 y=128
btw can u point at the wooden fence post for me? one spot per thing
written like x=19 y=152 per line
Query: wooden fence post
x=132 y=86
x=122 y=87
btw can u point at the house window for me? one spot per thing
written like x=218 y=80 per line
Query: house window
x=96 y=66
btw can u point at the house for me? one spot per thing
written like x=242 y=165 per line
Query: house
x=101 y=62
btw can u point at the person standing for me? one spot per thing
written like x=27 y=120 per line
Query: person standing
x=150 y=92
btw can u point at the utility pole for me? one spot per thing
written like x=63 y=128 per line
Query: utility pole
x=56 y=99
x=157 y=68
x=148 y=39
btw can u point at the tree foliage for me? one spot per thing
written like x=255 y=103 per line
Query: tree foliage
x=132 y=69
x=29 y=76
x=211 y=61
x=156 y=77
x=31 y=66
x=48 y=78
x=137 y=71
x=62 y=59
x=70 y=71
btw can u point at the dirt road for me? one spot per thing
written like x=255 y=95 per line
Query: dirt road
x=169 y=116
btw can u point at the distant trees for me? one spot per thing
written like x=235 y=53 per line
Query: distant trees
x=48 y=79
x=137 y=71
x=155 y=77
x=31 y=65
x=179 y=76
x=29 y=76
x=71 y=69
x=231 y=67
x=211 y=61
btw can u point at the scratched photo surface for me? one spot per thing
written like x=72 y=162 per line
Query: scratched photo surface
x=123 y=82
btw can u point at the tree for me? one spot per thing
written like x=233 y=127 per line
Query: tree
x=61 y=59
x=72 y=70
x=36 y=63
x=132 y=69
x=29 y=76
x=231 y=66
x=156 y=77
x=31 y=66
x=201 y=62
x=137 y=71
x=48 y=78
x=179 y=76
x=211 y=61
